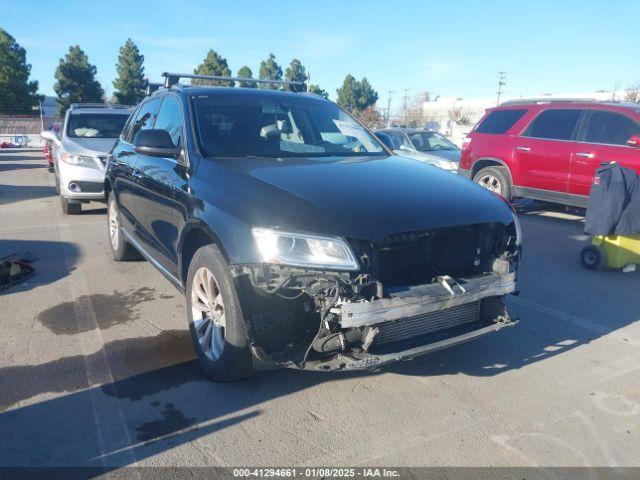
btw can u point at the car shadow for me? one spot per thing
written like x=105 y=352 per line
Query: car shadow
x=47 y=264
x=8 y=166
x=17 y=193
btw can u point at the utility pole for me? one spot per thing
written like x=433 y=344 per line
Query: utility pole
x=501 y=83
x=389 y=94
x=404 y=108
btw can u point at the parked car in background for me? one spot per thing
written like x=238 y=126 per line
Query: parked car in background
x=298 y=239
x=422 y=145
x=47 y=150
x=80 y=149
x=550 y=149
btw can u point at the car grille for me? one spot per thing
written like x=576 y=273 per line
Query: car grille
x=90 y=187
x=417 y=258
x=427 y=323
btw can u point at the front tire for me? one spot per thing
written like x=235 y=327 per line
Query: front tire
x=69 y=208
x=495 y=179
x=120 y=248
x=216 y=322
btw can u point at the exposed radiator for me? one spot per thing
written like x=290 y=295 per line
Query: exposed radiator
x=430 y=322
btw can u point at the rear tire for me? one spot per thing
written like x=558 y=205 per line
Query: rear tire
x=216 y=322
x=495 y=179
x=120 y=248
x=69 y=208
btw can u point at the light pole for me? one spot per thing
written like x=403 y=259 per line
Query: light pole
x=501 y=83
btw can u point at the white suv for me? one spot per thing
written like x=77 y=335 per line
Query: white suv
x=80 y=151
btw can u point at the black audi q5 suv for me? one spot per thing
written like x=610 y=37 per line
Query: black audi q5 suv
x=297 y=238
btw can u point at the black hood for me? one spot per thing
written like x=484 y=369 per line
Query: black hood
x=363 y=197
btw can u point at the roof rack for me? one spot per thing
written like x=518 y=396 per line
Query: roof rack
x=152 y=87
x=78 y=106
x=548 y=100
x=171 y=79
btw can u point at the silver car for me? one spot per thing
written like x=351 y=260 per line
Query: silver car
x=423 y=145
x=80 y=150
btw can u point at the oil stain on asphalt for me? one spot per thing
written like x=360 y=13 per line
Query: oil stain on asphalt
x=110 y=310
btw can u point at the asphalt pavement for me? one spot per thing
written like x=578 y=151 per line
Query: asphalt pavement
x=97 y=367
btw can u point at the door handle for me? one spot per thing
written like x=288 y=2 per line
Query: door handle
x=523 y=149
x=585 y=154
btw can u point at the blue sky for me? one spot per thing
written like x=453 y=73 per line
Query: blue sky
x=445 y=47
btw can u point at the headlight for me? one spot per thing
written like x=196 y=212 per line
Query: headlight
x=300 y=250
x=79 y=160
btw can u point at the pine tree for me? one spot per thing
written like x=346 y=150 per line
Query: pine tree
x=76 y=80
x=270 y=70
x=130 y=84
x=368 y=96
x=349 y=94
x=355 y=96
x=17 y=93
x=318 y=91
x=245 y=72
x=295 y=72
x=214 y=64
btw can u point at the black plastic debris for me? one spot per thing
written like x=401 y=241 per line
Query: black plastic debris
x=15 y=268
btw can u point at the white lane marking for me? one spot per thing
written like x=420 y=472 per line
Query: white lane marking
x=45 y=226
x=575 y=320
x=108 y=414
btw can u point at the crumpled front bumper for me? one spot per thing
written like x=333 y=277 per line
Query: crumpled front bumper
x=418 y=303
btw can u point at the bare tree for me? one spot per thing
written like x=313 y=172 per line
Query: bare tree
x=371 y=117
x=462 y=116
x=415 y=109
x=632 y=93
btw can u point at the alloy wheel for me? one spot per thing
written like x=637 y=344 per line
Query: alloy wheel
x=114 y=228
x=490 y=182
x=208 y=313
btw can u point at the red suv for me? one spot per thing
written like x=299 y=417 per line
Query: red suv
x=550 y=150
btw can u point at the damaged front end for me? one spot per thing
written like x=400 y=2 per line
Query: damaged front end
x=415 y=293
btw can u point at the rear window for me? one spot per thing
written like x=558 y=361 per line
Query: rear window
x=87 y=125
x=610 y=128
x=499 y=121
x=556 y=124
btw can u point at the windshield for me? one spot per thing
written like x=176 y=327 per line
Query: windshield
x=430 y=141
x=99 y=125
x=255 y=125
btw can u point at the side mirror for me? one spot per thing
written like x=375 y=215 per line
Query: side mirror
x=155 y=143
x=634 y=141
x=49 y=135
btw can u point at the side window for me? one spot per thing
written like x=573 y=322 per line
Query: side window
x=127 y=128
x=144 y=118
x=610 y=128
x=499 y=121
x=399 y=140
x=170 y=118
x=554 y=124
